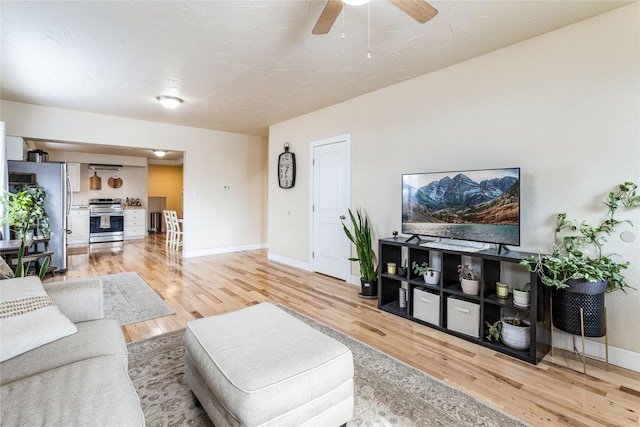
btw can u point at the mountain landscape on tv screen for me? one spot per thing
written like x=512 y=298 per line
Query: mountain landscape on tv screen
x=461 y=200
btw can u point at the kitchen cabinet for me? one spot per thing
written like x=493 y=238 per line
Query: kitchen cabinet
x=134 y=223
x=73 y=170
x=78 y=224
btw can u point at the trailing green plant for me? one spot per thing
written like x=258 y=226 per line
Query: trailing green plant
x=361 y=238
x=579 y=254
x=420 y=269
x=23 y=211
x=467 y=272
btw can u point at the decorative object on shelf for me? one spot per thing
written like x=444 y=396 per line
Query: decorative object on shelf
x=361 y=239
x=402 y=271
x=578 y=271
x=391 y=268
x=513 y=331
x=402 y=298
x=286 y=168
x=502 y=290
x=395 y=234
x=521 y=295
x=115 y=182
x=95 y=182
x=469 y=279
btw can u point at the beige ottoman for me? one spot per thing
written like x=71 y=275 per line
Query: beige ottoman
x=259 y=366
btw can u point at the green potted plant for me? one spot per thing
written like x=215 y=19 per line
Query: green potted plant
x=431 y=275
x=578 y=270
x=469 y=279
x=521 y=295
x=24 y=211
x=361 y=238
x=512 y=330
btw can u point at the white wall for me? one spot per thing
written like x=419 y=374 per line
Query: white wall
x=216 y=220
x=563 y=106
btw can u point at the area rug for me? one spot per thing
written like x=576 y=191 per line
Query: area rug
x=387 y=392
x=128 y=299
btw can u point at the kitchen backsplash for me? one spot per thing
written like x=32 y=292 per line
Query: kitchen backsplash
x=130 y=182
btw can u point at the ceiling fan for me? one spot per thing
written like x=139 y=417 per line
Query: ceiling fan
x=419 y=10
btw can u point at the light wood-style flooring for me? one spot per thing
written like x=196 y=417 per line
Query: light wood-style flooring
x=555 y=392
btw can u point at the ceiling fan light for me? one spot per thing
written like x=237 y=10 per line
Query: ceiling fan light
x=169 y=102
x=159 y=153
x=355 y=2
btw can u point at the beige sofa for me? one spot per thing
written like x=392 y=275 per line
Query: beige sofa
x=80 y=379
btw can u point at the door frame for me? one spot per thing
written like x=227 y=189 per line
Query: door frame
x=344 y=138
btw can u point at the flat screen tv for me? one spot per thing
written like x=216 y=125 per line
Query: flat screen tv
x=474 y=205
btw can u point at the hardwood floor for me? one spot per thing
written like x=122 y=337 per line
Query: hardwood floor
x=555 y=392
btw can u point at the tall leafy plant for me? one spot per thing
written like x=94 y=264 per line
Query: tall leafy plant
x=361 y=238
x=23 y=211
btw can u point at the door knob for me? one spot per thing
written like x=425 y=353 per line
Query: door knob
x=343 y=217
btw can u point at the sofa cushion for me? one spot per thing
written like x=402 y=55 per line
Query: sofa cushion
x=92 y=392
x=93 y=339
x=28 y=317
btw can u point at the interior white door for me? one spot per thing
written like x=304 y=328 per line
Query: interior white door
x=331 y=189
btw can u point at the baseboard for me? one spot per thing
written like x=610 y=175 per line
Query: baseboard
x=617 y=356
x=289 y=261
x=226 y=250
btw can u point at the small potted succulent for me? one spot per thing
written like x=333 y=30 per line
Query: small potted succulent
x=469 y=279
x=521 y=295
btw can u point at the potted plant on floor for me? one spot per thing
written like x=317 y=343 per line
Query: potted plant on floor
x=361 y=238
x=469 y=279
x=578 y=270
x=25 y=214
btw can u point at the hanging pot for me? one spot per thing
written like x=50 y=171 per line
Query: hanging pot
x=95 y=182
x=580 y=294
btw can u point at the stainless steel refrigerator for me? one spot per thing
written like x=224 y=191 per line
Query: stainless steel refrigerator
x=53 y=177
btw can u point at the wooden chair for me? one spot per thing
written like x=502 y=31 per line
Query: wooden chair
x=168 y=227
x=176 y=224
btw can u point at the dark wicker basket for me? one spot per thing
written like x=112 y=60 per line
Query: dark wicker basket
x=566 y=308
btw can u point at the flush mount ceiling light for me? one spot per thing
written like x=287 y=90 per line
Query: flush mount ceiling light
x=355 y=2
x=159 y=153
x=169 y=102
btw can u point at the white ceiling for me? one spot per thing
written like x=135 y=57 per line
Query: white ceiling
x=241 y=65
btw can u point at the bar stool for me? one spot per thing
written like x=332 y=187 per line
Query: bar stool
x=168 y=227
x=176 y=223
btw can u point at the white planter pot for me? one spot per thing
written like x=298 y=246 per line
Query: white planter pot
x=471 y=287
x=432 y=277
x=521 y=298
x=516 y=337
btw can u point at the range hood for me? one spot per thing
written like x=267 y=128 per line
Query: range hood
x=96 y=166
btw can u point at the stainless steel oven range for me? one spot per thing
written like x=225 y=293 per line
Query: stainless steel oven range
x=106 y=218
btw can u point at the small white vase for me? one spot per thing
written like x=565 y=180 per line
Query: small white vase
x=470 y=287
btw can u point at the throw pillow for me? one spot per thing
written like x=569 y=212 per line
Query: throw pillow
x=28 y=317
x=5 y=271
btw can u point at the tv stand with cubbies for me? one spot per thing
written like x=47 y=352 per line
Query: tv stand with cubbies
x=443 y=303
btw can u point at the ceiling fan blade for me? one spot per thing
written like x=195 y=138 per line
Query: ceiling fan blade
x=328 y=17
x=419 y=10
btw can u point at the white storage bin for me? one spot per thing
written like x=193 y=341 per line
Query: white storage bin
x=426 y=306
x=463 y=316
